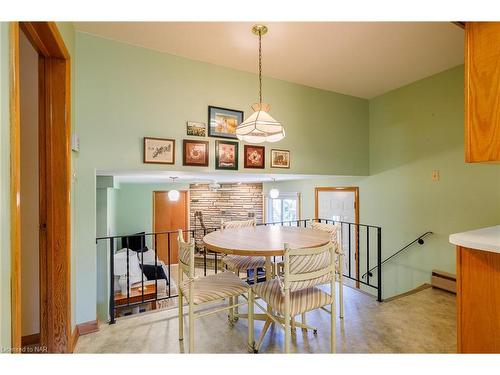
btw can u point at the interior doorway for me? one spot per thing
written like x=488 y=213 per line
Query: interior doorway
x=169 y=215
x=29 y=198
x=341 y=204
x=50 y=171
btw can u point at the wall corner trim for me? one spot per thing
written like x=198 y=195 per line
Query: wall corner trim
x=83 y=329
x=74 y=339
x=87 y=327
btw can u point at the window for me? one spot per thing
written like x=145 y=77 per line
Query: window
x=284 y=208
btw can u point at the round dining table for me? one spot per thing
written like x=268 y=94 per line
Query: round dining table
x=264 y=240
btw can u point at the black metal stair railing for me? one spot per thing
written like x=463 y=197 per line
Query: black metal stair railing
x=354 y=246
x=419 y=240
x=361 y=238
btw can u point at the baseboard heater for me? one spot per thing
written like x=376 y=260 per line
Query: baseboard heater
x=444 y=280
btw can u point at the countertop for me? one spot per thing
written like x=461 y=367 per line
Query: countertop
x=486 y=239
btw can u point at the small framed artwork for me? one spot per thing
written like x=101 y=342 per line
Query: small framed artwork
x=255 y=156
x=222 y=122
x=226 y=155
x=280 y=159
x=159 y=151
x=195 y=153
x=198 y=129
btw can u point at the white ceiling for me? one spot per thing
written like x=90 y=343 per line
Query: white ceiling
x=154 y=177
x=363 y=59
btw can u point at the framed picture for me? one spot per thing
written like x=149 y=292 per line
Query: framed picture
x=198 y=129
x=255 y=156
x=159 y=150
x=226 y=155
x=280 y=159
x=195 y=153
x=222 y=122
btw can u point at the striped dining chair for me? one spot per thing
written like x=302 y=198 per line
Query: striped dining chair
x=297 y=291
x=335 y=232
x=199 y=291
x=239 y=263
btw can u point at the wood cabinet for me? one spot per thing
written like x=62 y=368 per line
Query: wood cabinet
x=478 y=301
x=482 y=91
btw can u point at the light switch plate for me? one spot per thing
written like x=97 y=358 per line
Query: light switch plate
x=75 y=142
x=435 y=175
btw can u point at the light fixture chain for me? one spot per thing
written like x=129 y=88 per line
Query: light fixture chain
x=260 y=66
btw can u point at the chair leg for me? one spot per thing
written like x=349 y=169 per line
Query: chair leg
x=251 y=340
x=267 y=324
x=230 y=316
x=234 y=310
x=191 y=329
x=306 y=327
x=341 y=288
x=333 y=329
x=181 y=315
x=287 y=321
x=333 y=320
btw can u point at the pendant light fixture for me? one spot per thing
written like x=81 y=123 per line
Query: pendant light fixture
x=173 y=195
x=260 y=126
x=274 y=192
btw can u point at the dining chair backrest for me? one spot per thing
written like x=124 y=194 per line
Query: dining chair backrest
x=186 y=254
x=335 y=233
x=308 y=267
x=237 y=224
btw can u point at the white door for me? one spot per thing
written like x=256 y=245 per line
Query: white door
x=340 y=205
x=337 y=205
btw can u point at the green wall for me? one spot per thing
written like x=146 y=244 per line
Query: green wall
x=134 y=206
x=105 y=226
x=4 y=188
x=126 y=92
x=414 y=130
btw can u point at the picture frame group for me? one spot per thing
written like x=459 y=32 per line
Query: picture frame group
x=196 y=153
x=222 y=123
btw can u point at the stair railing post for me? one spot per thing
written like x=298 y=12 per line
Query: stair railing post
x=112 y=281
x=379 y=264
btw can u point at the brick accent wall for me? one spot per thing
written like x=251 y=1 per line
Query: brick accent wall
x=230 y=202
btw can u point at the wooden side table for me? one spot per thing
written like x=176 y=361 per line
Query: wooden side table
x=135 y=296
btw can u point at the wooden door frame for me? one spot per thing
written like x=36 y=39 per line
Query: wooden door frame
x=54 y=129
x=355 y=190
x=187 y=221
